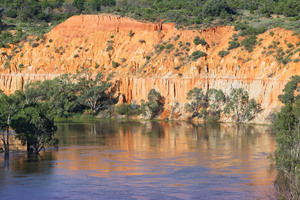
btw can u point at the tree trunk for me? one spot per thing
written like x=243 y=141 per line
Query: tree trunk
x=29 y=149
x=7 y=141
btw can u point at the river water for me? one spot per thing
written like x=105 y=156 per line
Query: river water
x=113 y=159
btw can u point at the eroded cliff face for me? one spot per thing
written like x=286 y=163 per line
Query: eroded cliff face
x=96 y=41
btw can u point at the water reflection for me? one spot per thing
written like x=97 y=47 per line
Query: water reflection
x=150 y=159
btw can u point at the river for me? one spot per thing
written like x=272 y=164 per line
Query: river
x=111 y=159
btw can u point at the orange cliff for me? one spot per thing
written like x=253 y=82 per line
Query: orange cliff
x=96 y=41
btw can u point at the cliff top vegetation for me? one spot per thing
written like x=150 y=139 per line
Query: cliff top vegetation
x=33 y=17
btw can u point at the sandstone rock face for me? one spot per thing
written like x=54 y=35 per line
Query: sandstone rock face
x=95 y=41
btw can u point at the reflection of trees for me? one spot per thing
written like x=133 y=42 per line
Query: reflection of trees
x=26 y=164
x=32 y=164
x=111 y=132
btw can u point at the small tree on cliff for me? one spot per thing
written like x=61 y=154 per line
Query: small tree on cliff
x=240 y=107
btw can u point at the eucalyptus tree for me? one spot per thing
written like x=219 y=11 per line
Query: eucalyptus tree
x=9 y=107
x=154 y=106
x=197 y=101
x=240 y=107
x=287 y=127
x=216 y=99
x=93 y=92
x=34 y=127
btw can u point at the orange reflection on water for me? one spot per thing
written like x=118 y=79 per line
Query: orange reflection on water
x=135 y=148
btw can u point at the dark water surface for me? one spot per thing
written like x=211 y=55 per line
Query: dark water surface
x=145 y=160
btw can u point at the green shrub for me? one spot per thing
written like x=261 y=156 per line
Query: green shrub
x=123 y=59
x=12 y=13
x=198 y=54
x=213 y=8
x=115 y=64
x=169 y=46
x=131 y=33
x=249 y=43
x=198 y=41
x=290 y=45
x=128 y=109
x=176 y=37
x=21 y=66
x=109 y=47
x=34 y=45
x=177 y=67
x=223 y=53
x=161 y=47
x=123 y=109
x=233 y=44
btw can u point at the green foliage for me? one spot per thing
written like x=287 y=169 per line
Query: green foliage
x=240 y=107
x=59 y=94
x=115 y=64
x=35 y=45
x=198 y=41
x=233 y=44
x=169 y=46
x=247 y=30
x=11 y=13
x=92 y=92
x=215 y=100
x=131 y=33
x=9 y=107
x=290 y=96
x=39 y=14
x=287 y=127
x=218 y=8
x=79 y=4
x=198 y=54
x=206 y=106
x=197 y=101
x=154 y=106
x=249 y=43
x=30 y=121
x=290 y=45
x=223 y=53
x=128 y=109
x=33 y=127
x=109 y=47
